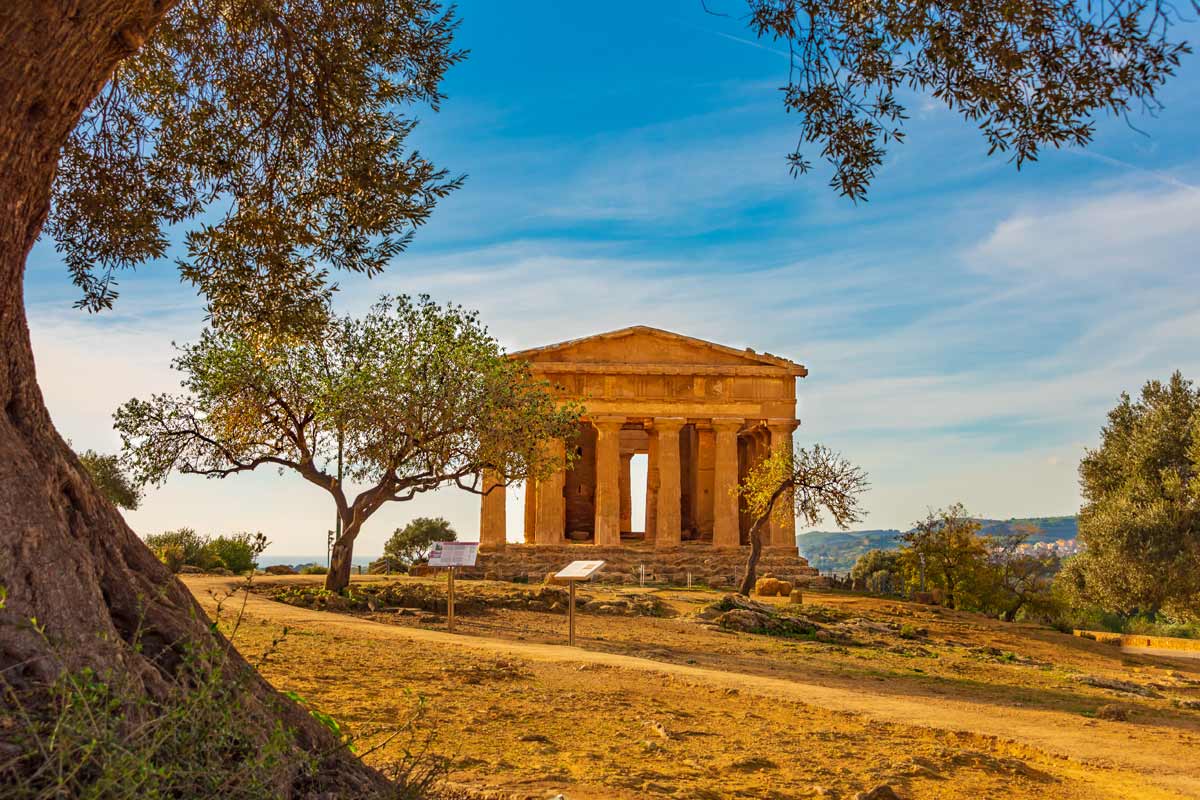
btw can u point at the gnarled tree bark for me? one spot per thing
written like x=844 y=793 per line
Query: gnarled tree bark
x=67 y=558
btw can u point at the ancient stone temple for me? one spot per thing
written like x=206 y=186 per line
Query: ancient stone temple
x=702 y=413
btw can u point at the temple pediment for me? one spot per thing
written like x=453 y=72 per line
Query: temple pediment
x=645 y=349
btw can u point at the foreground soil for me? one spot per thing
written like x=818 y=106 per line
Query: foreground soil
x=937 y=704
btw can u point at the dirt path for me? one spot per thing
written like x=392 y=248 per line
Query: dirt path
x=1167 y=758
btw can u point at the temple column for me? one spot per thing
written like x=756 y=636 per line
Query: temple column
x=726 y=531
x=651 y=487
x=705 y=455
x=626 y=493
x=551 y=505
x=668 y=519
x=608 y=480
x=783 y=526
x=492 y=522
x=530 y=509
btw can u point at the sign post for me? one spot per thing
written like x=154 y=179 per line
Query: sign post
x=575 y=571
x=451 y=555
x=450 y=600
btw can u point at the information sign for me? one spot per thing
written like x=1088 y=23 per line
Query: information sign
x=453 y=554
x=575 y=571
x=579 y=570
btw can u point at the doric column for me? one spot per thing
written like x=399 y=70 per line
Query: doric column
x=667 y=522
x=783 y=525
x=651 y=487
x=705 y=455
x=492 y=523
x=530 y=509
x=551 y=505
x=608 y=480
x=725 y=480
x=626 y=493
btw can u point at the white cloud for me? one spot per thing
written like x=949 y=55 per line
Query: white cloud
x=1122 y=234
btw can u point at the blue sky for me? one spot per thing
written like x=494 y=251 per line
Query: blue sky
x=965 y=330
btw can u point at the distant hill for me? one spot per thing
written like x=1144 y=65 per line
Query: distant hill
x=838 y=550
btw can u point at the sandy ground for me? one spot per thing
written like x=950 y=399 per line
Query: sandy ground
x=649 y=707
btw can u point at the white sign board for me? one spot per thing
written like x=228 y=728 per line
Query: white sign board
x=453 y=554
x=579 y=570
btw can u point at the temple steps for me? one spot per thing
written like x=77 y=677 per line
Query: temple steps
x=624 y=564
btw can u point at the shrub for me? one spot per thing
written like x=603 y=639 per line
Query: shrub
x=313 y=569
x=178 y=547
x=238 y=552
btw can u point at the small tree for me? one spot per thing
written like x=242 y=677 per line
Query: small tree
x=412 y=397
x=1020 y=580
x=878 y=570
x=111 y=479
x=818 y=480
x=1140 y=522
x=946 y=550
x=412 y=541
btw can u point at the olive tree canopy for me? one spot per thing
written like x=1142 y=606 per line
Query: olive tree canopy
x=1140 y=521
x=1029 y=73
x=273 y=131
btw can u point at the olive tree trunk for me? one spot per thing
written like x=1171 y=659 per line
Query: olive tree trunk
x=340 y=560
x=67 y=558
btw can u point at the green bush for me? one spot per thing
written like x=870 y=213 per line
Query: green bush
x=183 y=546
x=238 y=552
x=313 y=569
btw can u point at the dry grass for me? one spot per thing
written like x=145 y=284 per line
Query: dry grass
x=999 y=710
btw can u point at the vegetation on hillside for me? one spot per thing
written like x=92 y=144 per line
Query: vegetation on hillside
x=837 y=551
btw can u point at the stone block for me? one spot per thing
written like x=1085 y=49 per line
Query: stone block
x=767 y=587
